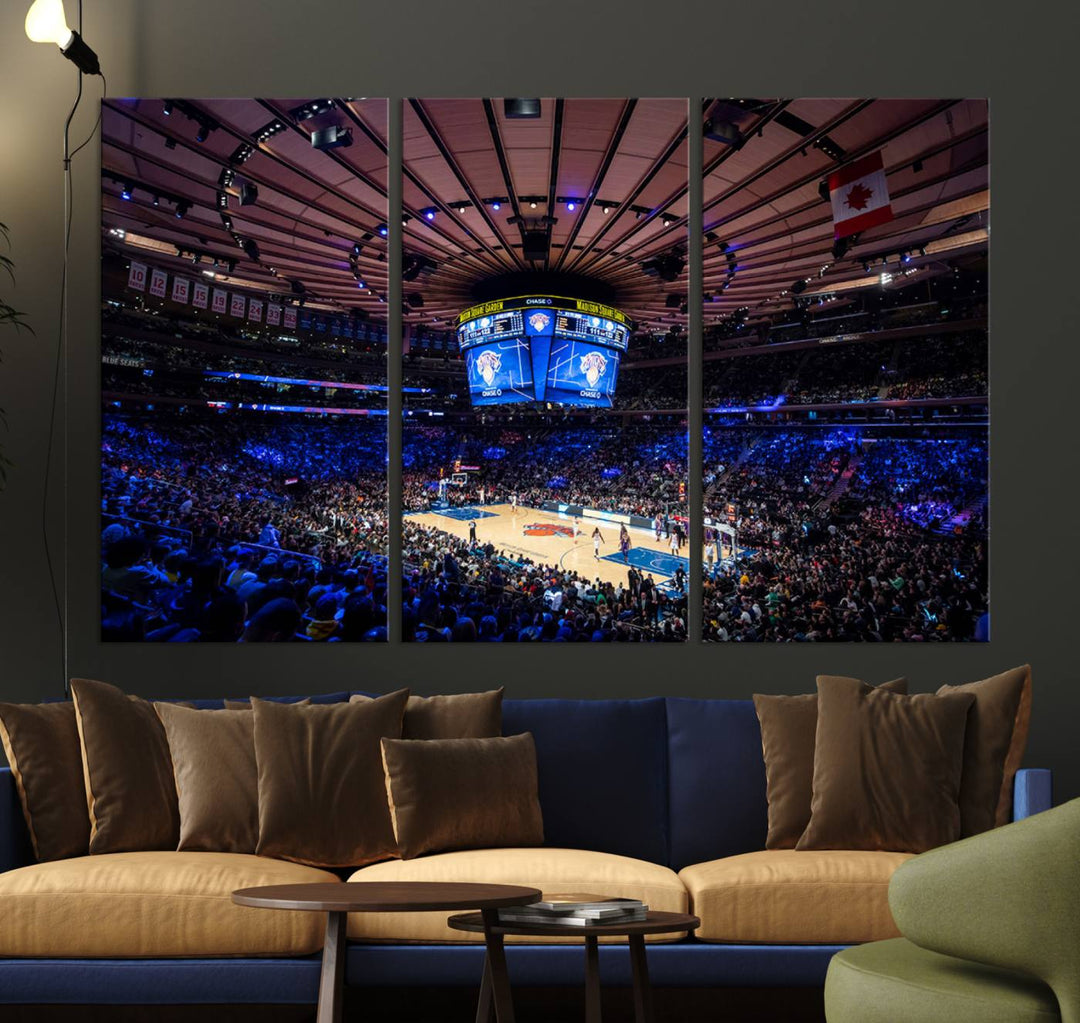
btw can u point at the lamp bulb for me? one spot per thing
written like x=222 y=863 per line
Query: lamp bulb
x=45 y=23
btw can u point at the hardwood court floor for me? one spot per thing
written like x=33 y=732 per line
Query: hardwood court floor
x=548 y=537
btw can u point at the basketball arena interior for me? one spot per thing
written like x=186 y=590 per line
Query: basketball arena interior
x=548 y=372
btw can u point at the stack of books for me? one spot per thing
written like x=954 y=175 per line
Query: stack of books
x=575 y=909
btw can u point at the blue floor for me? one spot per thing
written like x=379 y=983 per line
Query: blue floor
x=463 y=514
x=657 y=562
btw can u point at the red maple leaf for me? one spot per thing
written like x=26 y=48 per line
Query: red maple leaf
x=858 y=197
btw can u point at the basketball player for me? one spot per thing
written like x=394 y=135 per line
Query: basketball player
x=472 y=533
x=513 y=504
x=597 y=539
x=624 y=544
x=578 y=531
x=674 y=543
x=481 y=495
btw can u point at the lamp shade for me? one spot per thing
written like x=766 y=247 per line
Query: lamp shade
x=45 y=23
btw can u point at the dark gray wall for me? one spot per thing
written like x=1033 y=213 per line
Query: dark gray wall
x=599 y=47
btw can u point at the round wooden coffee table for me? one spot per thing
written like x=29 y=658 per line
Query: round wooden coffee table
x=495 y=976
x=337 y=900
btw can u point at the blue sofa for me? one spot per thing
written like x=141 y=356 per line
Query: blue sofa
x=668 y=781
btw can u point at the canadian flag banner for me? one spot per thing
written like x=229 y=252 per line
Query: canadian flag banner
x=290 y=317
x=255 y=310
x=180 y=288
x=137 y=276
x=221 y=300
x=236 y=305
x=159 y=281
x=860 y=196
x=200 y=295
x=273 y=314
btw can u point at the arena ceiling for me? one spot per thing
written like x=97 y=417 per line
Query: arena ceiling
x=601 y=183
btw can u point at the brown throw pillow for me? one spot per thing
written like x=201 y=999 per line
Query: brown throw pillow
x=42 y=746
x=886 y=768
x=322 y=796
x=217 y=781
x=246 y=704
x=457 y=716
x=463 y=793
x=788 y=725
x=994 y=746
x=127 y=770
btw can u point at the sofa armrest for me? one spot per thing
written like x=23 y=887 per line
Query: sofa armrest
x=1032 y=792
x=1009 y=898
x=15 y=847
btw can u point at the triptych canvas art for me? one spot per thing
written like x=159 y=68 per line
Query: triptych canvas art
x=546 y=376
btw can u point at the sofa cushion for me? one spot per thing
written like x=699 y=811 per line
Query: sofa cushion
x=455 y=716
x=896 y=980
x=602 y=771
x=153 y=904
x=550 y=870
x=717 y=780
x=787 y=897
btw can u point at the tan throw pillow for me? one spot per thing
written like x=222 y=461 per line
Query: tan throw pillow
x=994 y=746
x=463 y=793
x=886 y=768
x=457 y=716
x=322 y=797
x=127 y=770
x=217 y=781
x=42 y=746
x=788 y=725
x=246 y=704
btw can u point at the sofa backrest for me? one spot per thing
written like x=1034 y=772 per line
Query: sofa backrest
x=603 y=772
x=716 y=779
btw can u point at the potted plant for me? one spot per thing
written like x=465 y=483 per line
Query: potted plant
x=8 y=316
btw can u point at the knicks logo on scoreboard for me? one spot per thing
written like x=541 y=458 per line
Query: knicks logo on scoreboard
x=546 y=529
x=593 y=365
x=539 y=322
x=487 y=364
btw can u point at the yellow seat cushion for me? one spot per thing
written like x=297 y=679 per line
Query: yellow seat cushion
x=550 y=870
x=153 y=904
x=789 y=897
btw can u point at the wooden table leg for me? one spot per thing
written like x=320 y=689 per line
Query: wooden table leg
x=643 y=1010
x=331 y=981
x=485 y=1006
x=592 y=980
x=496 y=965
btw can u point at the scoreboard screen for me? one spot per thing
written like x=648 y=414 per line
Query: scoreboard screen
x=542 y=348
x=499 y=372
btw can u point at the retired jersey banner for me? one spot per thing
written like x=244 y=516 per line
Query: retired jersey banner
x=860 y=196
x=273 y=314
x=221 y=300
x=137 y=275
x=236 y=305
x=159 y=281
x=290 y=317
x=255 y=310
x=181 y=286
x=200 y=295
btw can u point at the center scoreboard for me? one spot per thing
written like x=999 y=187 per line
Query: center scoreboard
x=541 y=348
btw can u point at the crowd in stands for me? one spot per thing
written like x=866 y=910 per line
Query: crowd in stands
x=848 y=538
x=242 y=530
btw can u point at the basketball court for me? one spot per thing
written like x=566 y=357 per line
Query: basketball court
x=548 y=537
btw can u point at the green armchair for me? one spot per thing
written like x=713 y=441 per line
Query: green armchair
x=991 y=930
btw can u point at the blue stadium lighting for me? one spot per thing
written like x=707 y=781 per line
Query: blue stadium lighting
x=571 y=206
x=125 y=192
x=361 y=284
x=383 y=230
x=496 y=205
x=429 y=214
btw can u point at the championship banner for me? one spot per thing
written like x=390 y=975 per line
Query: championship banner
x=137 y=276
x=236 y=305
x=221 y=301
x=255 y=310
x=159 y=281
x=181 y=286
x=273 y=314
x=200 y=297
x=290 y=317
x=859 y=196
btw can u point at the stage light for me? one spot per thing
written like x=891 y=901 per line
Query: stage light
x=521 y=108
x=125 y=192
x=461 y=209
x=905 y=257
x=156 y=201
x=166 y=107
x=496 y=206
x=45 y=23
x=249 y=194
x=361 y=284
x=332 y=137
x=251 y=248
x=383 y=230
x=204 y=132
x=182 y=208
x=356 y=248
x=571 y=206
x=532 y=206
x=429 y=214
